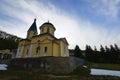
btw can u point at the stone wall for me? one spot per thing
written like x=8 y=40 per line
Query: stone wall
x=5 y=61
x=49 y=64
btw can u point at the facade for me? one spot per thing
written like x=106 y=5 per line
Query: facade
x=43 y=44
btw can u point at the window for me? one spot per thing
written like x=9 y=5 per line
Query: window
x=27 y=52
x=34 y=33
x=45 y=50
x=37 y=50
x=38 y=47
x=38 y=42
x=47 y=30
x=42 y=29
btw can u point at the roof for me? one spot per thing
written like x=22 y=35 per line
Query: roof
x=48 y=24
x=64 y=39
x=33 y=27
x=44 y=34
x=25 y=39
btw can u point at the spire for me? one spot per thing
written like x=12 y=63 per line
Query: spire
x=32 y=31
x=33 y=27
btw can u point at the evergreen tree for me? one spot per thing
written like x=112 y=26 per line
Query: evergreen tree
x=77 y=52
x=117 y=53
x=8 y=44
x=95 y=49
x=116 y=48
x=89 y=53
x=102 y=50
x=107 y=49
x=105 y=55
x=112 y=49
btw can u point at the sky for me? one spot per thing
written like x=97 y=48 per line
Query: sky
x=91 y=22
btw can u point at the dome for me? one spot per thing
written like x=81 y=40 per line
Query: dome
x=48 y=24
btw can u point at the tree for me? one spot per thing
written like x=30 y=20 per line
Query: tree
x=112 y=49
x=102 y=50
x=95 y=49
x=77 y=52
x=89 y=53
x=8 y=44
x=105 y=55
x=102 y=54
x=107 y=49
x=116 y=48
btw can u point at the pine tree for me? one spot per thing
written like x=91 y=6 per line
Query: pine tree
x=95 y=49
x=102 y=54
x=116 y=48
x=77 y=52
x=8 y=44
x=107 y=49
x=102 y=50
x=89 y=53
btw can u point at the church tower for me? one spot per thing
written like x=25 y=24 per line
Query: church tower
x=32 y=31
x=47 y=27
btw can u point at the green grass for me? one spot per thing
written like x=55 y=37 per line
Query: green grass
x=103 y=65
x=17 y=73
x=81 y=71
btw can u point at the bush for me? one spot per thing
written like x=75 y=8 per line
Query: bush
x=81 y=71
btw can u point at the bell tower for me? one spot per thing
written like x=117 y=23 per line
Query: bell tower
x=32 y=31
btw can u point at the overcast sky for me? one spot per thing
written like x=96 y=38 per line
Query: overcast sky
x=92 y=22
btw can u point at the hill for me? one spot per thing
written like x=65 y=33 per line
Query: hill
x=8 y=41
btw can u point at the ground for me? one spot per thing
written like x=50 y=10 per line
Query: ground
x=17 y=73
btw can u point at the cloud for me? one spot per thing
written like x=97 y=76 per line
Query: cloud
x=109 y=8
x=76 y=30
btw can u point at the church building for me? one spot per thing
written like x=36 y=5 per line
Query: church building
x=43 y=44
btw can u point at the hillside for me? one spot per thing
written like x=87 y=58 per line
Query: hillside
x=5 y=35
x=8 y=41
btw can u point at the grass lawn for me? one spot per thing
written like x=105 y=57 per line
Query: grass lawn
x=103 y=66
x=15 y=73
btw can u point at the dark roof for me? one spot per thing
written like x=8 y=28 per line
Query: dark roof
x=33 y=27
x=25 y=39
x=47 y=24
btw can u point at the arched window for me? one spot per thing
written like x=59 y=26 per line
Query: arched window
x=38 y=48
x=45 y=49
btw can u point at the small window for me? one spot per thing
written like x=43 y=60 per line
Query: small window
x=37 y=50
x=38 y=41
x=27 y=52
x=45 y=50
x=42 y=29
x=48 y=30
